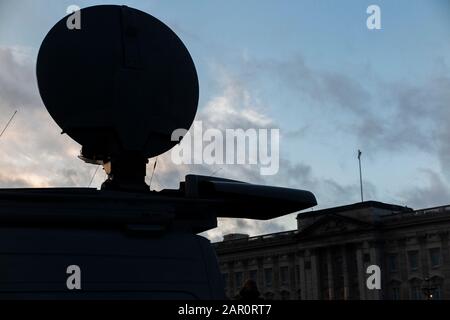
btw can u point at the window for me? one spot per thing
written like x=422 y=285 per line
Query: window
x=413 y=260
x=307 y=265
x=395 y=293
x=392 y=263
x=435 y=257
x=284 y=275
x=253 y=275
x=268 y=277
x=238 y=279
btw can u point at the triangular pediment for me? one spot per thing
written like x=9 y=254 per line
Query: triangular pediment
x=334 y=224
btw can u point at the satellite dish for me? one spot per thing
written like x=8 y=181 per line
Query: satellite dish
x=119 y=86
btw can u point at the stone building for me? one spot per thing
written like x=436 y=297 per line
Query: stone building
x=328 y=255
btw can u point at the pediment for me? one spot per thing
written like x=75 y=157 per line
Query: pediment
x=334 y=224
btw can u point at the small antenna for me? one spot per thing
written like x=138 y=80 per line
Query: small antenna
x=153 y=172
x=7 y=125
x=360 y=175
x=93 y=176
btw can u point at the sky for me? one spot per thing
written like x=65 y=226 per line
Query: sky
x=310 y=68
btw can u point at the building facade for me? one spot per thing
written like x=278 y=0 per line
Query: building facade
x=328 y=255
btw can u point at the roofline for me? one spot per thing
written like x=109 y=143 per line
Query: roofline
x=354 y=206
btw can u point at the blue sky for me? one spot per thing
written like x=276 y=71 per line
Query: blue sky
x=315 y=71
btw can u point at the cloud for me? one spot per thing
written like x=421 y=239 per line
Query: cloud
x=235 y=106
x=17 y=78
x=386 y=116
x=338 y=194
x=10 y=182
x=389 y=118
x=246 y=226
x=435 y=193
x=238 y=106
x=34 y=154
x=420 y=117
x=327 y=89
x=407 y=118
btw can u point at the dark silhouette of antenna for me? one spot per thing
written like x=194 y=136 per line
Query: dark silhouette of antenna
x=7 y=125
x=93 y=176
x=360 y=175
x=153 y=172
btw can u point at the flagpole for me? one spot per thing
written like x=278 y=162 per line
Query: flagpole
x=360 y=175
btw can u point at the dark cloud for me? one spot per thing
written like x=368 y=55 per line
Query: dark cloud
x=405 y=115
x=407 y=118
x=296 y=175
x=434 y=193
x=392 y=118
x=17 y=79
x=338 y=194
x=326 y=88
x=298 y=133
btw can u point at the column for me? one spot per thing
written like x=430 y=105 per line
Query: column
x=403 y=268
x=315 y=281
x=245 y=275
x=330 y=275
x=345 y=272
x=231 y=280
x=276 y=277
x=361 y=273
x=303 y=288
x=293 y=287
x=374 y=259
x=423 y=255
x=445 y=263
x=260 y=275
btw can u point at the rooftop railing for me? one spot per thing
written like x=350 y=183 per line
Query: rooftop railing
x=263 y=237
